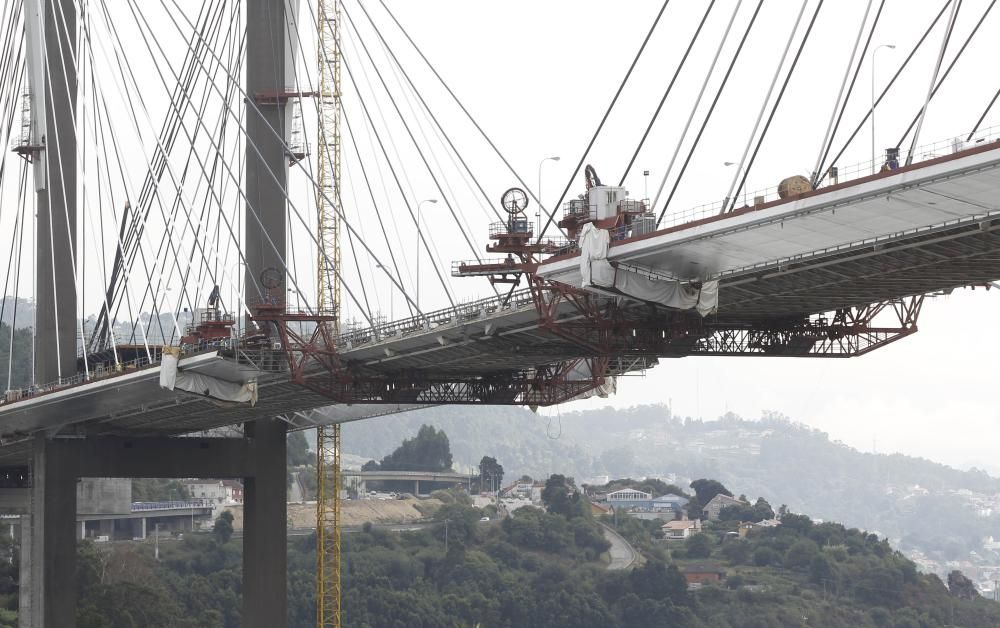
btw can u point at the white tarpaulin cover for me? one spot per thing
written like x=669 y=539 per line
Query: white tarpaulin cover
x=598 y=272
x=205 y=385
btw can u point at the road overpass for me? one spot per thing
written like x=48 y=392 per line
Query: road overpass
x=359 y=479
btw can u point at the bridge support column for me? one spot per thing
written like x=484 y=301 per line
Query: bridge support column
x=52 y=542
x=25 y=576
x=265 y=552
x=416 y=488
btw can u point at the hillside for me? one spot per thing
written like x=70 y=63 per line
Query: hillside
x=541 y=569
x=934 y=512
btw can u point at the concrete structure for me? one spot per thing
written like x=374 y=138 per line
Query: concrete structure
x=59 y=461
x=717 y=503
x=217 y=491
x=358 y=480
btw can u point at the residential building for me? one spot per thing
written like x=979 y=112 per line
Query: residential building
x=716 y=504
x=643 y=505
x=680 y=529
x=703 y=573
x=218 y=491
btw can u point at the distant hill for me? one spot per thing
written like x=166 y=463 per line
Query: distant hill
x=921 y=505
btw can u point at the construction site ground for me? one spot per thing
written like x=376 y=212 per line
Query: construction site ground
x=354 y=512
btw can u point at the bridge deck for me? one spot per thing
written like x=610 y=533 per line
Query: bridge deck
x=920 y=229
x=925 y=228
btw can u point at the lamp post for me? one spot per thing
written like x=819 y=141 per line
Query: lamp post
x=538 y=214
x=427 y=200
x=874 y=155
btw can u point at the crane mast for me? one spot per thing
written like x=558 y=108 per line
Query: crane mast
x=328 y=594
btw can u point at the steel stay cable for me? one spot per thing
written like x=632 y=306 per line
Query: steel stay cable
x=850 y=90
x=186 y=205
x=408 y=94
x=697 y=103
x=18 y=227
x=711 y=109
x=777 y=101
x=607 y=113
x=956 y=5
x=293 y=34
x=461 y=106
x=878 y=100
x=221 y=125
x=179 y=183
x=427 y=108
x=828 y=136
x=17 y=275
x=666 y=93
x=375 y=205
x=251 y=104
x=70 y=226
x=169 y=132
x=947 y=71
x=423 y=158
x=763 y=104
x=983 y=117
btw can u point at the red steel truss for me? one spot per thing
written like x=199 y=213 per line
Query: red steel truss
x=607 y=337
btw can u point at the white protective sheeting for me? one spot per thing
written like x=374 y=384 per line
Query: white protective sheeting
x=583 y=371
x=597 y=272
x=205 y=385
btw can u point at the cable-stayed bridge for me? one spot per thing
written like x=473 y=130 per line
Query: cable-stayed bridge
x=179 y=163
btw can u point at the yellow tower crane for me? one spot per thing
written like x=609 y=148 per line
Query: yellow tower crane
x=328 y=284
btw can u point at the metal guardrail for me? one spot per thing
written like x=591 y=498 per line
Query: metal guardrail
x=766 y=195
x=171 y=505
x=461 y=313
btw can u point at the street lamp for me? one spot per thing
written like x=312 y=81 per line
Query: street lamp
x=427 y=200
x=874 y=155
x=538 y=214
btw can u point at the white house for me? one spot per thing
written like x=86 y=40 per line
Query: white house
x=680 y=529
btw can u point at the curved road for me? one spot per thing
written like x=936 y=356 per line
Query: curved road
x=623 y=555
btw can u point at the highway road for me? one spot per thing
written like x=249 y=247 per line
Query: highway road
x=623 y=555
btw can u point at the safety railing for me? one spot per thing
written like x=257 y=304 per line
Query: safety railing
x=842 y=174
x=516 y=226
x=171 y=505
x=460 y=313
x=496 y=264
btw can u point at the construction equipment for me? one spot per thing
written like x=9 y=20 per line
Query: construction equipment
x=328 y=612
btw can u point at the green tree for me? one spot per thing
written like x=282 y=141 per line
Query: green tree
x=560 y=498
x=820 y=570
x=429 y=450
x=698 y=546
x=961 y=587
x=298 y=450
x=800 y=554
x=490 y=473
x=223 y=528
x=705 y=490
